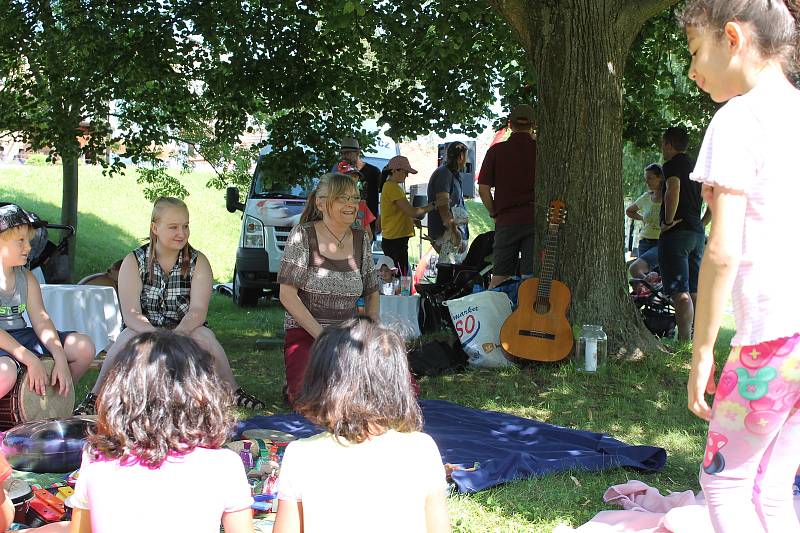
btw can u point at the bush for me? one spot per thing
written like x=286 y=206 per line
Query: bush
x=37 y=160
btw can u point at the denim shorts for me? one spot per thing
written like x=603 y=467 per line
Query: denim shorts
x=27 y=337
x=648 y=252
x=679 y=256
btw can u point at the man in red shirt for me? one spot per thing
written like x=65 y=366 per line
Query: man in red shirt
x=510 y=168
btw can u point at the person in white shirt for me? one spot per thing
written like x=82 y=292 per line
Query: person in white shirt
x=748 y=170
x=372 y=469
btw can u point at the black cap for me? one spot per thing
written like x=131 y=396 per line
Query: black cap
x=12 y=215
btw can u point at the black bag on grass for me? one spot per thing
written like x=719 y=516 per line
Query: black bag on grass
x=436 y=357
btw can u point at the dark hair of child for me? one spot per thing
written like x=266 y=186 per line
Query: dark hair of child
x=774 y=23
x=655 y=168
x=161 y=398
x=357 y=383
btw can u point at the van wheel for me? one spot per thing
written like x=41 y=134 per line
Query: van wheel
x=244 y=297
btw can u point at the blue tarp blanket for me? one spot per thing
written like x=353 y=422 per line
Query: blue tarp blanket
x=507 y=447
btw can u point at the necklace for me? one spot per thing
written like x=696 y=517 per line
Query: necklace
x=339 y=243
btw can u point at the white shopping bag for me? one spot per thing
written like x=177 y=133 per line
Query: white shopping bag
x=478 y=319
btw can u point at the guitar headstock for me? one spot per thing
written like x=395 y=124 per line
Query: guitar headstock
x=556 y=212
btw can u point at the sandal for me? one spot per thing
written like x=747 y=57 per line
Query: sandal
x=87 y=406
x=246 y=400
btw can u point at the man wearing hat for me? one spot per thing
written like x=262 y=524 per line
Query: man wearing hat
x=510 y=168
x=350 y=151
x=397 y=214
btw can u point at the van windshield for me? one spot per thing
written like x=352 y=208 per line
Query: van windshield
x=264 y=186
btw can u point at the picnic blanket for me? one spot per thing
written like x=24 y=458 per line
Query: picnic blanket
x=507 y=447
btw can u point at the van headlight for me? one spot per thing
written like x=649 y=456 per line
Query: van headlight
x=253 y=232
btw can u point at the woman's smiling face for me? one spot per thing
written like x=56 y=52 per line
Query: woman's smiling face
x=340 y=209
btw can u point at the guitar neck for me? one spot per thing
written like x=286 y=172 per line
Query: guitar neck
x=549 y=263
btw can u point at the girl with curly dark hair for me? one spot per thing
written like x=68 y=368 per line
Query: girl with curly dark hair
x=163 y=414
x=357 y=387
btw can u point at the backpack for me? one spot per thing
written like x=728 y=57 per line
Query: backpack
x=436 y=357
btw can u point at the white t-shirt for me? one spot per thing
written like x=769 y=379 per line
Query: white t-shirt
x=187 y=493
x=752 y=146
x=651 y=226
x=378 y=485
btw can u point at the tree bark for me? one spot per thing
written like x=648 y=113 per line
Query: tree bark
x=69 y=203
x=578 y=50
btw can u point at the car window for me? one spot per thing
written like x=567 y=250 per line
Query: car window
x=264 y=186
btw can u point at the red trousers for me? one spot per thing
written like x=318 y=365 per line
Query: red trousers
x=296 y=354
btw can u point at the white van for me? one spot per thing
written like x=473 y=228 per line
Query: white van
x=268 y=216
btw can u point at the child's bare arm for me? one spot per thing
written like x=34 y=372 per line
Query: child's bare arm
x=238 y=521
x=436 y=517
x=289 y=518
x=41 y=322
x=6 y=510
x=130 y=290
x=80 y=522
x=48 y=336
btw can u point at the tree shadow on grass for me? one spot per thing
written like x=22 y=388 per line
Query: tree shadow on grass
x=99 y=242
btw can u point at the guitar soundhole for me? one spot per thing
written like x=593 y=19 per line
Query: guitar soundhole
x=542 y=307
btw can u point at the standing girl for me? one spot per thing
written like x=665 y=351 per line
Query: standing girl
x=167 y=284
x=372 y=469
x=154 y=461
x=748 y=168
x=646 y=208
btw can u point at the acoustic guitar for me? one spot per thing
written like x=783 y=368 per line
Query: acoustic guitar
x=538 y=329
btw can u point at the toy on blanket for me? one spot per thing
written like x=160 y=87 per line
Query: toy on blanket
x=46 y=446
x=261 y=452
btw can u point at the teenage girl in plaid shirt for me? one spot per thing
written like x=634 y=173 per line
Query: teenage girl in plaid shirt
x=167 y=284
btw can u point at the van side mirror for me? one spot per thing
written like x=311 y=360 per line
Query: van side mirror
x=232 y=203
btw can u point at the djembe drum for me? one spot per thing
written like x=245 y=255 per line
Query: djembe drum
x=24 y=405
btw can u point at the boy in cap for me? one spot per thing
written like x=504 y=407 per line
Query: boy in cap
x=386 y=270
x=19 y=293
x=510 y=168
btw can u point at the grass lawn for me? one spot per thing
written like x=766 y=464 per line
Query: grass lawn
x=640 y=402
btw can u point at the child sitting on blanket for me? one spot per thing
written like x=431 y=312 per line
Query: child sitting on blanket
x=154 y=461
x=372 y=470
x=21 y=345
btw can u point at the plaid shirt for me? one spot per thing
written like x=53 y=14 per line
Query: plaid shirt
x=165 y=300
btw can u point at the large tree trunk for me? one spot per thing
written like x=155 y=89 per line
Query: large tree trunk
x=69 y=203
x=578 y=50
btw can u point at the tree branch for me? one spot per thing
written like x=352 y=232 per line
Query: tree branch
x=643 y=10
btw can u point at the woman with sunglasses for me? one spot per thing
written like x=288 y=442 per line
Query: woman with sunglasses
x=326 y=267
